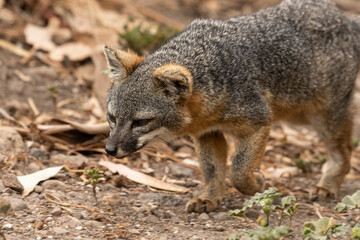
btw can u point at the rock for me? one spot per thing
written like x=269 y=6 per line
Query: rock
x=77 y=215
x=108 y=187
x=152 y=219
x=17 y=204
x=33 y=167
x=204 y=216
x=5 y=207
x=56 y=211
x=73 y=162
x=60 y=231
x=7 y=226
x=30 y=220
x=113 y=199
x=219 y=228
x=92 y=224
x=10 y=141
x=180 y=171
x=38 y=189
x=79 y=228
x=38 y=153
x=10 y=180
x=70 y=221
x=208 y=226
x=221 y=216
x=54 y=185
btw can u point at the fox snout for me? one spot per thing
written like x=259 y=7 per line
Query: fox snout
x=111 y=149
x=121 y=146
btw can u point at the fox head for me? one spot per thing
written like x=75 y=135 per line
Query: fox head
x=144 y=102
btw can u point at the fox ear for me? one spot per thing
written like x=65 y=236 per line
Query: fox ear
x=174 y=79
x=120 y=63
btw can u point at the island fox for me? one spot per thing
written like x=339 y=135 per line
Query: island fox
x=296 y=62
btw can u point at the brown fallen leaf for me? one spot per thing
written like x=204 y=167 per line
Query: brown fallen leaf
x=75 y=51
x=142 y=178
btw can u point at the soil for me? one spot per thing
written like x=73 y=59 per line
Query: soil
x=127 y=210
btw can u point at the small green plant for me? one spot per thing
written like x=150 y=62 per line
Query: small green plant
x=288 y=207
x=265 y=233
x=143 y=38
x=355 y=232
x=265 y=202
x=304 y=166
x=94 y=176
x=5 y=208
x=323 y=229
x=349 y=202
x=356 y=142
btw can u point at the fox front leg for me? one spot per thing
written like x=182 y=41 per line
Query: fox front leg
x=212 y=151
x=247 y=158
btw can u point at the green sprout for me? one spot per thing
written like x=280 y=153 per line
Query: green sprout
x=355 y=232
x=263 y=200
x=94 y=176
x=142 y=38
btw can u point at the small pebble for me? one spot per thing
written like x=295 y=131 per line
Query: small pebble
x=54 y=185
x=219 y=228
x=7 y=226
x=10 y=180
x=79 y=228
x=38 y=189
x=222 y=216
x=204 y=216
x=56 y=211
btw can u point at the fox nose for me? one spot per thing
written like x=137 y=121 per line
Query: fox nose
x=111 y=150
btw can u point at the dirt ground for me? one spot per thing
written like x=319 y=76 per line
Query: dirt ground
x=125 y=209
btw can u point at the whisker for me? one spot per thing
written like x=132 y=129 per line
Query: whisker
x=162 y=140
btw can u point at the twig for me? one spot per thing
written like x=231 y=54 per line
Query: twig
x=55 y=200
x=22 y=76
x=13 y=48
x=349 y=213
x=33 y=106
x=317 y=210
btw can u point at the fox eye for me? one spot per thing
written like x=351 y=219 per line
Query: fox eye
x=111 y=118
x=140 y=122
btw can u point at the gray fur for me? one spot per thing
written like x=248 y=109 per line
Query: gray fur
x=301 y=54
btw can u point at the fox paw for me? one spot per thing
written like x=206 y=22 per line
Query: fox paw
x=202 y=204
x=323 y=194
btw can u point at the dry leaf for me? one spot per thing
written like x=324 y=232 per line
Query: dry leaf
x=39 y=37
x=30 y=181
x=142 y=178
x=281 y=172
x=92 y=129
x=75 y=51
x=94 y=106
